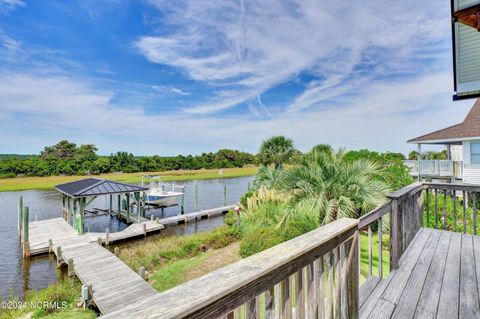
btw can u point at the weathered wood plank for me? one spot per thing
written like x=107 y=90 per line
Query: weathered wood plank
x=367 y=288
x=468 y=307
x=399 y=280
x=383 y=309
x=448 y=303
x=409 y=298
x=428 y=301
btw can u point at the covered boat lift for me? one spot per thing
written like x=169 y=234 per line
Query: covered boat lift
x=79 y=194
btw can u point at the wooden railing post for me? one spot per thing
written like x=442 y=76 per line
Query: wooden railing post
x=396 y=233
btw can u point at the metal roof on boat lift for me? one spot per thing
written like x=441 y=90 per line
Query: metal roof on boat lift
x=96 y=186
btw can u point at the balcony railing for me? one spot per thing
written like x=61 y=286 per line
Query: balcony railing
x=318 y=274
x=435 y=168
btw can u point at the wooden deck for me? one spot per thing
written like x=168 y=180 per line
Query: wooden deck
x=438 y=277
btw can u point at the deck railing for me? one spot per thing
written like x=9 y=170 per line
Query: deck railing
x=435 y=168
x=317 y=275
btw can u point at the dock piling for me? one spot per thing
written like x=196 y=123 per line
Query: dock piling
x=144 y=230
x=50 y=246
x=182 y=202
x=70 y=270
x=26 y=244
x=141 y=272
x=224 y=195
x=116 y=251
x=107 y=237
x=59 y=256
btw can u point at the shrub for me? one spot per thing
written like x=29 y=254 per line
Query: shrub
x=298 y=226
x=260 y=239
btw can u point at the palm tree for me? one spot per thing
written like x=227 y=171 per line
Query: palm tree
x=269 y=178
x=276 y=150
x=327 y=185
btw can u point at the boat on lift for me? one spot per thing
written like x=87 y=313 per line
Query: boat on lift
x=160 y=194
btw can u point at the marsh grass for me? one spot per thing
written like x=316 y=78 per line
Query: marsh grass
x=157 y=253
x=48 y=182
x=64 y=295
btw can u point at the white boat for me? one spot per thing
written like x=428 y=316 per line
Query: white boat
x=158 y=194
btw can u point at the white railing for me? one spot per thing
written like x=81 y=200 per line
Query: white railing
x=436 y=168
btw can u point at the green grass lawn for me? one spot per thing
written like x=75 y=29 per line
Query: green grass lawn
x=24 y=183
x=375 y=261
x=65 y=293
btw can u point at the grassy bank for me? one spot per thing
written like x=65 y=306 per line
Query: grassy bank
x=174 y=260
x=62 y=298
x=24 y=183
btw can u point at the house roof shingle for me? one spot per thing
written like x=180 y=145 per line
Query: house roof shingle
x=469 y=128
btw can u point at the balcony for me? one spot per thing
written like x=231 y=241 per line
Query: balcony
x=425 y=234
x=436 y=168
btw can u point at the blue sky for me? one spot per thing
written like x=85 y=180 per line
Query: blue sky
x=170 y=77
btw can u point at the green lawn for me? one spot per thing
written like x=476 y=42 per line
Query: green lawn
x=24 y=183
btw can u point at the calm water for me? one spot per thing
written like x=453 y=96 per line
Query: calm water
x=18 y=276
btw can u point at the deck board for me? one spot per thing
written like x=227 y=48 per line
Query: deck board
x=438 y=277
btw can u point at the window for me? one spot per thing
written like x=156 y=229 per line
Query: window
x=475 y=153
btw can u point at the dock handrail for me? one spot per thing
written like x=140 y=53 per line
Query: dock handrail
x=259 y=280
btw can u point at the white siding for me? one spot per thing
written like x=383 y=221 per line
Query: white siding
x=462 y=4
x=467 y=58
x=471 y=173
x=457 y=153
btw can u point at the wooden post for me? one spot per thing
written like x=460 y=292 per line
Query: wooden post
x=20 y=216
x=419 y=162
x=70 y=270
x=110 y=211
x=182 y=202
x=224 y=195
x=128 y=207
x=50 y=246
x=26 y=244
x=82 y=215
x=59 y=255
x=116 y=251
x=141 y=272
x=396 y=233
x=99 y=241
x=144 y=230
x=107 y=237
x=119 y=200
x=69 y=209
x=196 y=196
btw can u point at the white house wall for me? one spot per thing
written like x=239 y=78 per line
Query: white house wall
x=471 y=172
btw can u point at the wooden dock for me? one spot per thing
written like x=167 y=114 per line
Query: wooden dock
x=58 y=229
x=114 y=284
x=186 y=218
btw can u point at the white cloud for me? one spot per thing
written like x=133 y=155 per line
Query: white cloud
x=253 y=46
x=179 y=91
x=11 y=4
x=43 y=109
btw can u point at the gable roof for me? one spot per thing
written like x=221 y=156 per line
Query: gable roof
x=469 y=128
x=96 y=186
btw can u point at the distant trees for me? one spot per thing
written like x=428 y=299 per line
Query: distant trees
x=430 y=155
x=66 y=158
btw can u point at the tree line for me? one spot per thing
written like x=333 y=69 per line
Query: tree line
x=66 y=158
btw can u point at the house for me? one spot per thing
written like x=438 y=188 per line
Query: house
x=463 y=144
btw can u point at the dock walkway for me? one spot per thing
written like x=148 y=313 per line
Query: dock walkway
x=114 y=284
